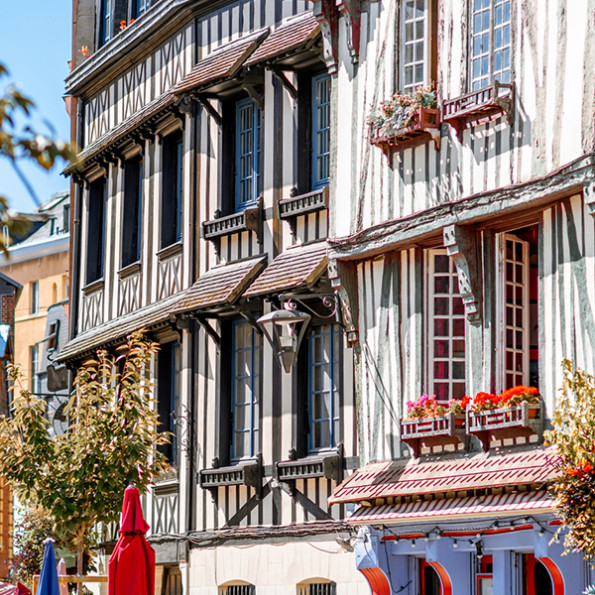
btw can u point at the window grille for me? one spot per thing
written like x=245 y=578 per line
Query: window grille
x=321 y=114
x=245 y=377
x=324 y=347
x=238 y=590
x=414 y=46
x=318 y=589
x=490 y=42
x=446 y=328
x=514 y=310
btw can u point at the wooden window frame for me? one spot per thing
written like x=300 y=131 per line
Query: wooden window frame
x=334 y=361
x=321 y=109
x=34 y=297
x=132 y=212
x=105 y=22
x=172 y=188
x=169 y=370
x=485 y=79
x=34 y=358
x=138 y=8
x=253 y=177
x=449 y=337
x=95 y=257
x=252 y=382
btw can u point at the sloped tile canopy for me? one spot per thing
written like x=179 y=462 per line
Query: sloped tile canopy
x=290 y=37
x=299 y=266
x=221 y=285
x=221 y=64
x=476 y=507
x=116 y=330
x=442 y=475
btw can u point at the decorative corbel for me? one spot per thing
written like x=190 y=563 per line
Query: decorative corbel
x=350 y=9
x=589 y=197
x=254 y=219
x=254 y=94
x=327 y=15
x=343 y=278
x=185 y=104
x=210 y=110
x=282 y=78
x=461 y=244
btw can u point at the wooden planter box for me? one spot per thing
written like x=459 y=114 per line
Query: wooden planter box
x=431 y=432
x=478 y=106
x=520 y=421
x=425 y=126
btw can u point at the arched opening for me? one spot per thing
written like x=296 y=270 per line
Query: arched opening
x=317 y=586
x=377 y=581
x=541 y=577
x=237 y=588
x=434 y=579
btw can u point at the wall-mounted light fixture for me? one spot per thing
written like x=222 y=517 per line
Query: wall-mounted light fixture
x=285 y=330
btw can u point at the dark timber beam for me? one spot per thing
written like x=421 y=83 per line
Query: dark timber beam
x=461 y=244
x=343 y=278
x=282 y=78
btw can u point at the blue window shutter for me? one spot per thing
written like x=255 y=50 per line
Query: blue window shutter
x=248 y=158
x=321 y=111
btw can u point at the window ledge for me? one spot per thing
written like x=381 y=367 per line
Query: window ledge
x=93 y=286
x=424 y=126
x=327 y=464
x=250 y=219
x=130 y=269
x=248 y=473
x=480 y=106
x=304 y=203
x=170 y=250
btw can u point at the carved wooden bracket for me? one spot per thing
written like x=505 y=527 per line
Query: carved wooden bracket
x=461 y=243
x=327 y=15
x=350 y=9
x=589 y=197
x=343 y=278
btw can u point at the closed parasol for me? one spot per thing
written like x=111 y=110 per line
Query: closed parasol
x=131 y=567
x=48 y=579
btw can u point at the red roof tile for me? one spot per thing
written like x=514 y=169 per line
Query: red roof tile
x=291 y=36
x=475 y=471
x=221 y=64
x=296 y=267
x=493 y=506
x=221 y=285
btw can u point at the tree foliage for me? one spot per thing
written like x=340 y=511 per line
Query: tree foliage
x=574 y=437
x=23 y=143
x=79 y=478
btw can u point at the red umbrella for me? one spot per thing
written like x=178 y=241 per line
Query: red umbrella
x=131 y=567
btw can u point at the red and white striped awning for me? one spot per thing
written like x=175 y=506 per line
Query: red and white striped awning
x=475 y=507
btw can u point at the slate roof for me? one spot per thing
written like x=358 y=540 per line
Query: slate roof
x=441 y=475
x=54 y=208
x=288 y=38
x=116 y=330
x=223 y=63
x=297 y=267
x=221 y=285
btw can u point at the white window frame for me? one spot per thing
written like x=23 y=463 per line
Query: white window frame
x=412 y=42
x=430 y=295
x=503 y=75
x=504 y=348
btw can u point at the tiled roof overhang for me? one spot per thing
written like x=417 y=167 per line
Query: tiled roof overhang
x=221 y=64
x=448 y=509
x=221 y=286
x=379 y=481
x=296 y=35
x=115 y=331
x=297 y=267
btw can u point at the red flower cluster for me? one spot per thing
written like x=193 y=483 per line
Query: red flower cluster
x=509 y=398
x=124 y=24
x=584 y=469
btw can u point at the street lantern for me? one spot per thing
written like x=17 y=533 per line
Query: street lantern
x=285 y=330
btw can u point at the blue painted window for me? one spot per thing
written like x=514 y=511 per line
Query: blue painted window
x=321 y=115
x=245 y=390
x=490 y=42
x=168 y=393
x=324 y=381
x=139 y=7
x=248 y=157
x=172 y=195
x=105 y=24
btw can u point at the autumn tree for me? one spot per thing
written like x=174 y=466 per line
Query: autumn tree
x=19 y=142
x=574 y=437
x=79 y=478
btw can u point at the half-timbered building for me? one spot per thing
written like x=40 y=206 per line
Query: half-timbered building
x=200 y=203
x=463 y=251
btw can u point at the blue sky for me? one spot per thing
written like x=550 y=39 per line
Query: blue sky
x=35 y=46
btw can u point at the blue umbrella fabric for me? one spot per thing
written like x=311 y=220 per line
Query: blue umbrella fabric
x=48 y=579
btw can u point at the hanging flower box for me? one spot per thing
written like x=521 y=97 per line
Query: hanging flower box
x=513 y=422
x=405 y=120
x=432 y=432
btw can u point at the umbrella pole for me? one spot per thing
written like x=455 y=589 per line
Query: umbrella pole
x=80 y=540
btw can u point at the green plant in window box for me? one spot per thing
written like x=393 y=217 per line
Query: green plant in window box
x=573 y=435
x=398 y=113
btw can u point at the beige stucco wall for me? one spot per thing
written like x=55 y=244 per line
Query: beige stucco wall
x=29 y=328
